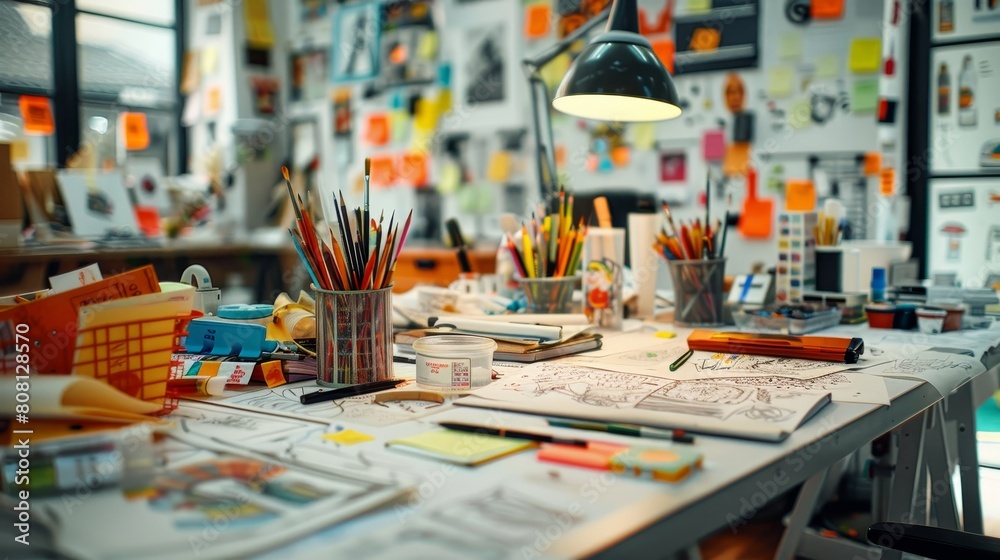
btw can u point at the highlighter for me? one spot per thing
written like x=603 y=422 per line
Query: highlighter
x=196 y=386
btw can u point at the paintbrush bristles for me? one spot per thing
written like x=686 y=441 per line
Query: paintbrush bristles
x=368 y=166
x=284 y=173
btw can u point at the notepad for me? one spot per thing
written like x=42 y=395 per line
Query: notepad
x=462 y=448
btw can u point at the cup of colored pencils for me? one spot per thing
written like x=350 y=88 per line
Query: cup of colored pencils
x=547 y=258
x=695 y=255
x=351 y=270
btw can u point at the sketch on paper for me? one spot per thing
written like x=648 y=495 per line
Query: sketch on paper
x=231 y=424
x=361 y=409
x=715 y=400
x=583 y=385
x=921 y=365
x=485 y=65
x=718 y=363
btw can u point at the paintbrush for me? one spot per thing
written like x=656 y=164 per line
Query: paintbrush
x=368 y=177
x=708 y=206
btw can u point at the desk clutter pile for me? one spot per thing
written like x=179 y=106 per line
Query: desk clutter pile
x=193 y=433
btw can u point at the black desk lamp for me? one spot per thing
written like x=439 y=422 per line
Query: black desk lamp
x=617 y=77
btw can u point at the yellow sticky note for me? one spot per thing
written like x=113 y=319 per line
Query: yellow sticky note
x=464 y=448
x=665 y=334
x=348 y=437
x=643 y=135
x=779 y=81
x=699 y=6
x=427 y=112
x=828 y=66
x=20 y=150
x=427 y=48
x=208 y=60
x=864 y=55
x=800 y=114
x=451 y=177
x=258 y=24
x=553 y=72
x=499 y=168
x=790 y=46
x=421 y=141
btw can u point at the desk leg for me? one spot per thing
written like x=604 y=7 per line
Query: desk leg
x=942 y=492
x=805 y=505
x=908 y=473
x=962 y=409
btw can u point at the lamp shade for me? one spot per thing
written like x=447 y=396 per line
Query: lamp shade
x=617 y=77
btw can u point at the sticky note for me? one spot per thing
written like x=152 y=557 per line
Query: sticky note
x=864 y=54
x=827 y=9
x=451 y=178
x=643 y=135
x=208 y=60
x=348 y=437
x=426 y=114
x=273 y=375
x=864 y=95
x=383 y=170
x=887 y=181
x=800 y=195
x=37 y=115
x=136 y=131
x=828 y=66
x=699 y=6
x=705 y=39
x=213 y=101
x=779 y=81
x=377 y=127
x=664 y=49
x=737 y=159
x=553 y=72
x=413 y=168
x=191 y=74
x=465 y=448
x=713 y=145
x=499 y=167
x=427 y=48
x=800 y=114
x=664 y=334
x=537 y=20
x=873 y=163
x=790 y=46
x=258 y=24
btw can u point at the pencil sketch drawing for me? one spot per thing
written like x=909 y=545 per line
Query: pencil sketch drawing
x=584 y=385
x=788 y=367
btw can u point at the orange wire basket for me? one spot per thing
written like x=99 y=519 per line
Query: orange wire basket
x=134 y=357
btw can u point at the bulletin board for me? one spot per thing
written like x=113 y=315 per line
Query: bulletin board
x=959 y=20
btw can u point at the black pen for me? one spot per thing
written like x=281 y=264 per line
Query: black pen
x=351 y=391
x=516 y=434
x=680 y=361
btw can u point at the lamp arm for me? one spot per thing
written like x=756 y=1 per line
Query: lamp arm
x=545 y=164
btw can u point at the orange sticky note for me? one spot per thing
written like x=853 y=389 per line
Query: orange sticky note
x=37 y=115
x=800 y=195
x=664 y=49
x=560 y=155
x=705 y=39
x=887 y=181
x=383 y=170
x=273 y=375
x=413 y=168
x=873 y=163
x=377 y=129
x=620 y=156
x=827 y=9
x=136 y=131
x=213 y=101
x=537 y=20
x=737 y=159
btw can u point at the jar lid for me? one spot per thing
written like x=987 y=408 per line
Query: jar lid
x=453 y=343
x=245 y=311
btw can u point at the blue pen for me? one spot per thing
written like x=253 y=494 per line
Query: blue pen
x=305 y=261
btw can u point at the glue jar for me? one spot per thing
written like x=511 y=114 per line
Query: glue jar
x=454 y=363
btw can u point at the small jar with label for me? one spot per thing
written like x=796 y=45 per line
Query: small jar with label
x=454 y=363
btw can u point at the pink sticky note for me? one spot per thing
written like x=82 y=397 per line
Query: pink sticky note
x=713 y=145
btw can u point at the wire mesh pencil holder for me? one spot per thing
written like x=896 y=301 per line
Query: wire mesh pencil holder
x=135 y=357
x=353 y=336
x=697 y=291
x=549 y=295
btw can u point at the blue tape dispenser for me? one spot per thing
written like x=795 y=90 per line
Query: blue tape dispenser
x=224 y=338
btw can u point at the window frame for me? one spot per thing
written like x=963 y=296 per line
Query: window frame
x=65 y=94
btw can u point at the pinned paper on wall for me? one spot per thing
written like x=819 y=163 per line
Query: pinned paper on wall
x=673 y=167
x=865 y=54
x=427 y=48
x=399 y=124
x=713 y=145
x=705 y=39
x=208 y=60
x=737 y=160
x=37 y=115
x=426 y=115
x=800 y=195
x=873 y=163
x=451 y=178
x=643 y=135
x=800 y=114
x=190 y=74
x=827 y=9
x=699 y=6
x=779 y=81
x=413 y=168
x=192 y=109
x=383 y=171
x=828 y=66
x=258 y=24
x=664 y=49
x=864 y=96
x=553 y=72
x=499 y=168
x=20 y=150
x=887 y=181
x=377 y=129
x=790 y=46
x=213 y=101
x=136 y=131
x=537 y=18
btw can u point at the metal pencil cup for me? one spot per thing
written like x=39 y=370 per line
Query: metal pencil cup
x=549 y=295
x=697 y=291
x=353 y=336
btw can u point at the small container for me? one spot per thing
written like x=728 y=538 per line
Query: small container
x=953 y=320
x=880 y=315
x=259 y=314
x=454 y=363
x=878 y=285
x=931 y=320
x=549 y=295
x=906 y=317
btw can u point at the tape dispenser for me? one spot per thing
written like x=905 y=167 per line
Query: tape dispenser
x=206 y=297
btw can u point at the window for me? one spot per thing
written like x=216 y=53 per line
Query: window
x=94 y=59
